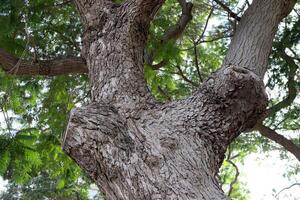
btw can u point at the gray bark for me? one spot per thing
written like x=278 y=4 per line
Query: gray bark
x=136 y=148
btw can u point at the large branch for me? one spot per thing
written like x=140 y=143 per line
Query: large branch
x=113 y=45
x=94 y=15
x=16 y=66
x=248 y=56
x=291 y=84
x=279 y=139
x=251 y=45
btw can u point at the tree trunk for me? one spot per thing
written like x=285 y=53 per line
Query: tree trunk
x=136 y=148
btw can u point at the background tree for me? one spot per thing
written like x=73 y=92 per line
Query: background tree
x=181 y=53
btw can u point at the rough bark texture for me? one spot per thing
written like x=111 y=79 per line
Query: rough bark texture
x=252 y=42
x=136 y=148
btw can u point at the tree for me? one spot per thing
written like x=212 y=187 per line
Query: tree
x=132 y=145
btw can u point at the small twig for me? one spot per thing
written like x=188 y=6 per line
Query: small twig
x=205 y=26
x=209 y=40
x=164 y=93
x=237 y=173
x=197 y=63
x=235 y=156
x=297 y=13
x=6 y=119
x=216 y=38
x=286 y=188
x=180 y=72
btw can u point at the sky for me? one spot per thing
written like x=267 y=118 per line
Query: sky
x=264 y=174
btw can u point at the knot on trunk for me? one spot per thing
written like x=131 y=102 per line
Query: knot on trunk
x=239 y=93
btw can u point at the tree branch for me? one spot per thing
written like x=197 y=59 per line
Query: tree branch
x=205 y=27
x=286 y=188
x=173 y=33
x=279 y=139
x=164 y=93
x=215 y=38
x=198 y=41
x=228 y=10
x=291 y=84
x=237 y=173
x=180 y=72
x=252 y=42
x=197 y=63
x=186 y=16
x=15 y=66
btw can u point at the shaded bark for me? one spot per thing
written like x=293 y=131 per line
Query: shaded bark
x=136 y=148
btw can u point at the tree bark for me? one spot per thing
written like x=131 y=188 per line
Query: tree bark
x=18 y=66
x=136 y=148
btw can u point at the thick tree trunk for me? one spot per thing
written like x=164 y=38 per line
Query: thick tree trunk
x=136 y=148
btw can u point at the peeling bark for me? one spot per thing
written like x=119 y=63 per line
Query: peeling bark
x=136 y=148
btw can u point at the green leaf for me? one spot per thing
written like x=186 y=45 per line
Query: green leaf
x=4 y=161
x=60 y=184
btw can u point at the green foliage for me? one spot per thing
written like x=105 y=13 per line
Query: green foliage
x=36 y=109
